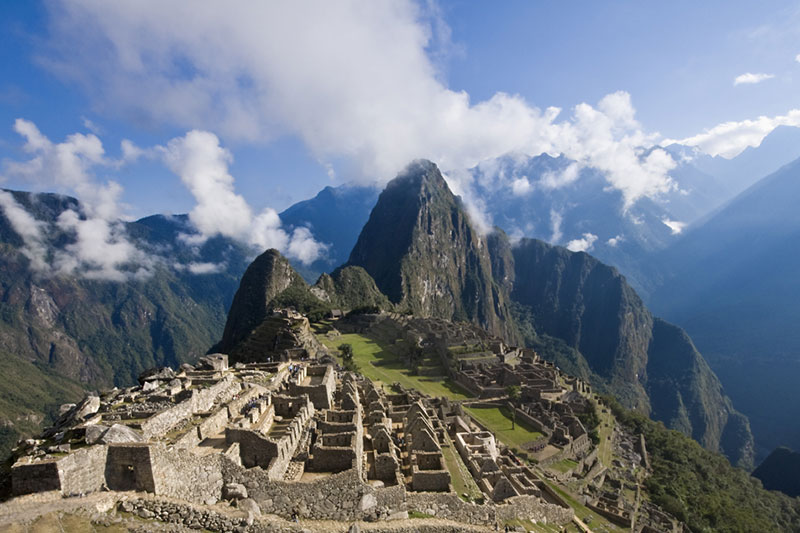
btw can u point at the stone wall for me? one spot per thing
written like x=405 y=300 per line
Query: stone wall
x=321 y=394
x=201 y=400
x=450 y=507
x=342 y=496
x=181 y=474
x=531 y=507
x=83 y=471
x=129 y=467
x=41 y=476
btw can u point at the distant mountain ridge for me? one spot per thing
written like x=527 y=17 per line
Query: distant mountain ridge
x=732 y=283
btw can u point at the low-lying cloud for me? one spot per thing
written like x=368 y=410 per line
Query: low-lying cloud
x=584 y=244
x=202 y=165
x=100 y=247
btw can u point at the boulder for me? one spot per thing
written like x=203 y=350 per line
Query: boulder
x=87 y=407
x=118 y=433
x=234 y=491
x=368 y=501
x=249 y=505
x=65 y=408
x=161 y=374
x=94 y=432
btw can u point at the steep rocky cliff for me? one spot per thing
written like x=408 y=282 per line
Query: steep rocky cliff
x=649 y=364
x=349 y=288
x=423 y=253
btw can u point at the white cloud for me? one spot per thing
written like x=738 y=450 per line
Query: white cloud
x=205 y=268
x=101 y=248
x=797 y=58
x=202 y=164
x=556 y=180
x=555 y=223
x=27 y=227
x=521 y=186
x=729 y=139
x=675 y=226
x=584 y=244
x=748 y=78
x=355 y=82
x=614 y=241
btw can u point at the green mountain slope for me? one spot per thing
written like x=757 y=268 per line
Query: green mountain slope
x=66 y=332
x=702 y=489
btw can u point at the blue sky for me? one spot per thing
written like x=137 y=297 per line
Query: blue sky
x=297 y=130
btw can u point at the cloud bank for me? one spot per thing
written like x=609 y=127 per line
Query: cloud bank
x=354 y=81
x=100 y=248
x=729 y=139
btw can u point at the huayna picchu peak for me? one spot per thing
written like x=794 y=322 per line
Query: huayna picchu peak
x=424 y=254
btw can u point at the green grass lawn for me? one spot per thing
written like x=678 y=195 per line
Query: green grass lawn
x=563 y=466
x=459 y=475
x=380 y=365
x=498 y=422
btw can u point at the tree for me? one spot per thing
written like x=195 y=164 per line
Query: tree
x=514 y=393
x=347 y=351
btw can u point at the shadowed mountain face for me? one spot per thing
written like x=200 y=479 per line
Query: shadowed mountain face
x=421 y=250
x=646 y=362
x=732 y=283
x=267 y=276
x=780 y=471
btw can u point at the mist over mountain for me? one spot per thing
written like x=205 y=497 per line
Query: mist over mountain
x=335 y=216
x=62 y=333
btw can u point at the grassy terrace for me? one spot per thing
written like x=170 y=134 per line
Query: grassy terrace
x=606 y=433
x=563 y=466
x=596 y=522
x=497 y=420
x=460 y=477
x=380 y=365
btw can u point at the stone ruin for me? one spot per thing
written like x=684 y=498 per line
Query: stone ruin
x=292 y=438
